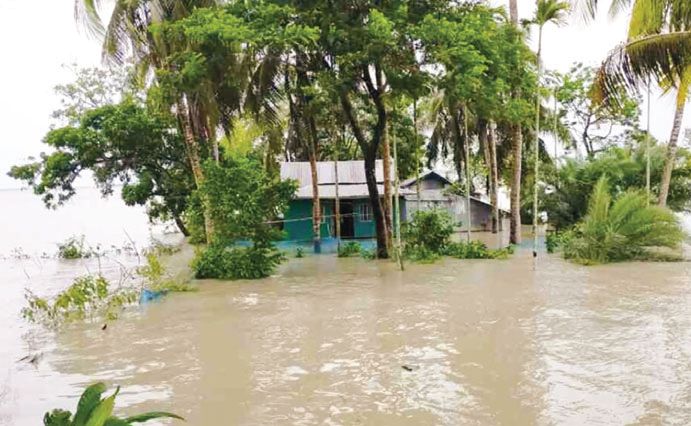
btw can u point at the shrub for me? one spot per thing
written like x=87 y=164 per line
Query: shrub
x=350 y=249
x=421 y=254
x=556 y=240
x=476 y=250
x=430 y=229
x=92 y=410
x=368 y=254
x=221 y=262
x=157 y=278
x=299 y=252
x=620 y=230
x=88 y=296
x=73 y=248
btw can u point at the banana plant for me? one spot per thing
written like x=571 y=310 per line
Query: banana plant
x=92 y=410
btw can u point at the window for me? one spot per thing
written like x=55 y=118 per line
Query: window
x=365 y=213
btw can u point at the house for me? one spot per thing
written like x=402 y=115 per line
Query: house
x=357 y=220
x=355 y=209
x=436 y=192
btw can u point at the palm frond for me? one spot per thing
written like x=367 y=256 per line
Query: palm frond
x=86 y=14
x=631 y=65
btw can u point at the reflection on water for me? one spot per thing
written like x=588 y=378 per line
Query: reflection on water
x=349 y=341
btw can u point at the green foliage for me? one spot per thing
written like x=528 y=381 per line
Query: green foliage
x=88 y=296
x=368 y=254
x=349 y=249
x=556 y=240
x=475 y=250
x=126 y=143
x=299 y=252
x=221 y=262
x=92 y=410
x=567 y=201
x=157 y=278
x=73 y=248
x=430 y=229
x=621 y=230
x=242 y=198
x=421 y=254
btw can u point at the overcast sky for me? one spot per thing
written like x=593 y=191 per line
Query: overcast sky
x=37 y=39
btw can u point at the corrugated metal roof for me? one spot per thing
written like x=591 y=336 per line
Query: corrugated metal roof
x=349 y=172
x=344 y=191
x=423 y=176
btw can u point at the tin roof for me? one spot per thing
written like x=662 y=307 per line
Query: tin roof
x=349 y=172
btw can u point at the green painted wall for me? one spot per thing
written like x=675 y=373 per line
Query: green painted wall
x=301 y=230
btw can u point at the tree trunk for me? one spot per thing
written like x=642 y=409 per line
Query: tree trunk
x=369 y=151
x=494 y=177
x=670 y=157
x=316 y=205
x=377 y=211
x=517 y=151
x=513 y=12
x=537 y=144
x=388 y=198
x=517 y=154
x=181 y=225
x=192 y=148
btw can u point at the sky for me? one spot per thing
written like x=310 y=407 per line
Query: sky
x=38 y=39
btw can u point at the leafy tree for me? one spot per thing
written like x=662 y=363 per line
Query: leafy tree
x=243 y=198
x=592 y=124
x=125 y=143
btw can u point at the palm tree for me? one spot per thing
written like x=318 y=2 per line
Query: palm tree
x=516 y=137
x=547 y=11
x=658 y=46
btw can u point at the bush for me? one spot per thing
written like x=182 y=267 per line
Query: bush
x=299 y=252
x=88 y=296
x=476 y=250
x=350 y=249
x=620 y=230
x=556 y=240
x=221 y=262
x=430 y=229
x=92 y=410
x=421 y=254
x=73 y=248
x=157 y=279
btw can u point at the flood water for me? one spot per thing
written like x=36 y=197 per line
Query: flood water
x=330 y=341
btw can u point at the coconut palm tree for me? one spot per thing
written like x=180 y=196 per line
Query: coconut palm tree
x=658 y=46
x=516 y=137
x=553 y=11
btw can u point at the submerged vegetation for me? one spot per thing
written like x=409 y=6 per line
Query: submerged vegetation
x=74 y=248
x=428 y=238
x=93 y=410
x=89 y=297
x=620 y=229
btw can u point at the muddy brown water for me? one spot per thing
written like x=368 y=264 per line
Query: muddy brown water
x=330 y=341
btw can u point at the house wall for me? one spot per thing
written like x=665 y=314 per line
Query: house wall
x=299 y=230
x=480 y=213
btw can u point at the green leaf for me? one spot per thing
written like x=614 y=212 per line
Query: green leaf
x=102 y=411
x=140 y=418
x=89 y=400
x=57 y=418
x=114 y=421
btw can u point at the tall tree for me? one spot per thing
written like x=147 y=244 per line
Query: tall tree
x=658 y=46
x=516 y=137
x=547 y=11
